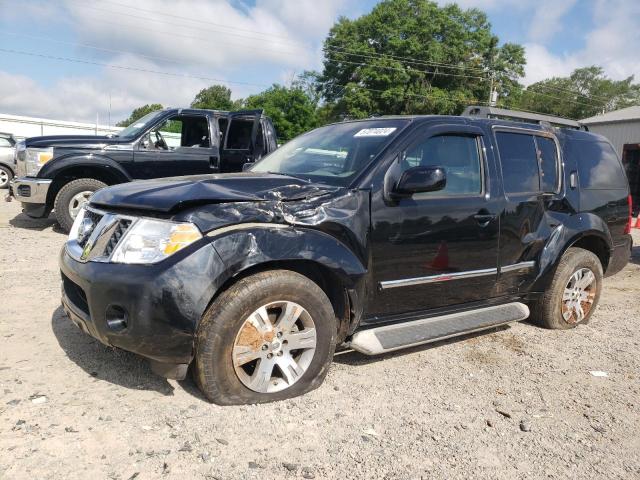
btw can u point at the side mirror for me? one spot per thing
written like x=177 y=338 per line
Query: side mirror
x=420 y=179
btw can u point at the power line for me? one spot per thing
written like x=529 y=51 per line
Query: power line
x=136 y=69
x=567 y=99
x=84 y=5
x=196 y=20
x=566 y=90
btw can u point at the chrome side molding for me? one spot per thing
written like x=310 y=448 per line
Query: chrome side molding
x=443 y=277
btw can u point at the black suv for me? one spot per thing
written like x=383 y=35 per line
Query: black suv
x=62 y=172
x=373 y=235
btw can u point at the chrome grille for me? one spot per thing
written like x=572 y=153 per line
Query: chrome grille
x=118 y=233
x=102 y=233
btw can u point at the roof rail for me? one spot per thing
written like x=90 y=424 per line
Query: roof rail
x=518 y=116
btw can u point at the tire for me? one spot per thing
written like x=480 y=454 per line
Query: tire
x=5 y=176
x=62 y=204
x=223 y=329
x=550 y=311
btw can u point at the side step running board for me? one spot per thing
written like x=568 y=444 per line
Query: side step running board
x=402 y=335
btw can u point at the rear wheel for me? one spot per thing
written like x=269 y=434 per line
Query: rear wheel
x=5 y=176
x=574 y=292
x=72 y=197
x=269 y=337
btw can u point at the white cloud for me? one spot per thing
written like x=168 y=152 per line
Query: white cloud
x=79 y=98
x=547 y=18
x=612 y=44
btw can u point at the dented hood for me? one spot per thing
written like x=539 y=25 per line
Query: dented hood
x=173 y=194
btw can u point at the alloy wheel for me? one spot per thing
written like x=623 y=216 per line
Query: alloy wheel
x=4 y=178
x=78 y=201
x=578 y=296
x=274 y=347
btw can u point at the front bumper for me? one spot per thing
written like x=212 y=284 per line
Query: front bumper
x=32 y=193
x=150 y=310
x=30 y=189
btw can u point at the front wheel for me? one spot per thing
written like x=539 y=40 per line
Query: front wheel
x=72 y=197
x=574 y=292
x=268 y=337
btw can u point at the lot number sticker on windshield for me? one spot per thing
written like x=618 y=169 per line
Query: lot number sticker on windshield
x=375 y=132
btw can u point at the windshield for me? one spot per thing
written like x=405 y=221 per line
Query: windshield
x=139 y=125
x=334 y=154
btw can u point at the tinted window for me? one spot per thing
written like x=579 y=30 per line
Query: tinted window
x=457 y=155
x=239 y=136
x=333 y=154
x=519 y=162
x=548 y=158
x=598 y=165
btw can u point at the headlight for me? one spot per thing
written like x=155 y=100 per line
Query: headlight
x=36 y=158
x=149 y=241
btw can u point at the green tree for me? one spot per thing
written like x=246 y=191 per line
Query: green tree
x=290 y=109
x=139 y=113
x=584 y=93
x=412 y=56
x=215 y=97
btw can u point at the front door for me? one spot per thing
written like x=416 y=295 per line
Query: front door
x=240 y=140
x=439 y=248
x=179 y=145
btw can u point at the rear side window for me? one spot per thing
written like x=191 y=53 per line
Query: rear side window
x=598 y=166
x=548 y=159
x=519 y=162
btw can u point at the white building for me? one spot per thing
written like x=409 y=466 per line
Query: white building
x=23 y=127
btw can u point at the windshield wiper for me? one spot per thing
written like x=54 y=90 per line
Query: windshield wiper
x=282 y=174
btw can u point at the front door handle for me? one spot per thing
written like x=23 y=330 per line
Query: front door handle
x=484 y=218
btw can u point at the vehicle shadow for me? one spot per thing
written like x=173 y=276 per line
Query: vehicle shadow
x=351 y=357
x=105 y=363
x=27 y=223
x=635 y=255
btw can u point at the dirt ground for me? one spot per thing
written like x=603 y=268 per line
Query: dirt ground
x=519 y=402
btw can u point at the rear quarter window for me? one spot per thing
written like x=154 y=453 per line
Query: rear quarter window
x=598 y=166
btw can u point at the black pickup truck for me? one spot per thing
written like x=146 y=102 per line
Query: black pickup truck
x=60 y=173
x=373 y=235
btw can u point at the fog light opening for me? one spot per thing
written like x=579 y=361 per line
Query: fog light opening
x=117 y=318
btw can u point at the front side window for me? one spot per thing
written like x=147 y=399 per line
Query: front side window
x=334 y=154
x=458 y=155
x=519 y=160
x=239 y=136
x=188 y=131
x=5 y=142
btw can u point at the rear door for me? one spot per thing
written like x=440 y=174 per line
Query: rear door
x=531 y=178
x=239 y=145
x=179 y=145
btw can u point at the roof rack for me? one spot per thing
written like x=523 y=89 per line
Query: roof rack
x=518 y=116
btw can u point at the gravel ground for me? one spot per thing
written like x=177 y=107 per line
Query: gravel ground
x=519 y=402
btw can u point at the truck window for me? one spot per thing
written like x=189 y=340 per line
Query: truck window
x=183 y=131
x=239 y=136
x=458 y=155
x=598 y=165
x=519 y=162
x=4 y=142
x=548 y=160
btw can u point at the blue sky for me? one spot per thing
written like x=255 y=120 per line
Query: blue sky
x=119 y=47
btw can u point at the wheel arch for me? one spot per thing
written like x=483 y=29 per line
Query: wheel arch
x=104 y=170
x=340 y=276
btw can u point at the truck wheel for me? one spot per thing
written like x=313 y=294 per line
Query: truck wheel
x=5 y=176
x=72 y=197
x=574 y=292
x=269 y=337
